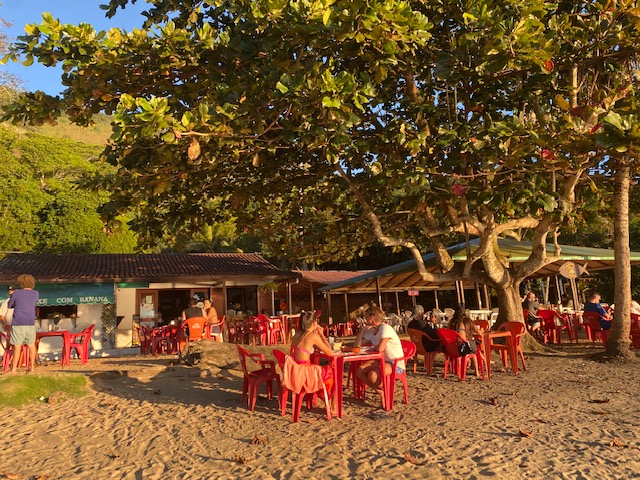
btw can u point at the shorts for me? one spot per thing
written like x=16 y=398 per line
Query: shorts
x=399 y=370
x=23 y=334
x=533 y=322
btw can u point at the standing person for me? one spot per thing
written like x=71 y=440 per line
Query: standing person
x=593 y=305
x=6 y=313
x=384 y=339
x=23 y=329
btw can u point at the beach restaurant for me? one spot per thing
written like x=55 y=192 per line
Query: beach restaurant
x=117 y=292
x=394 y=285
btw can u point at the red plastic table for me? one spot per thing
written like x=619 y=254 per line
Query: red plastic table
x=66 y=343
x=337 y=361
x=487 y=339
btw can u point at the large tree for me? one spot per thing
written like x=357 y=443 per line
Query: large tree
x=338 y=123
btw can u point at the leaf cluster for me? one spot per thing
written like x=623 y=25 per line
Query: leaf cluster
x=316 y=119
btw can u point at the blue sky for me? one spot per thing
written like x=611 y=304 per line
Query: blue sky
x=22 y=12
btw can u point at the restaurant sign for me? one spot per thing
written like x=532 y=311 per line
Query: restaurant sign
x=75 y=294
x=413 y=293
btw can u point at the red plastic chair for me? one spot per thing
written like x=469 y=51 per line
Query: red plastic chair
x=482 y=324
x=592 y=319
x=409 y=350
x=276 y=332
x=144 y=336
x=416 y=337
x=215 y=330
x=160 y=340
x=254 y=331
x=191 y=330
x=453 y=361
x=24 y=360
x=235 y=331
x=252 y=379
x=517 y=330
x=635 y=330
x=81 y=342
x=550 y=329
x=297 y=399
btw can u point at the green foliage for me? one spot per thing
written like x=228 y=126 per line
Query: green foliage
x=330 y=125
x=21 y=390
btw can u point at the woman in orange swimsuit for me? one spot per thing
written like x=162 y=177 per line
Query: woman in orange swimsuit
x=305 y=341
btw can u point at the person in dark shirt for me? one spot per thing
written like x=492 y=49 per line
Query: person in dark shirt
x=593 y=305
x=193 y=310
x=419 y=322
x=533 y=320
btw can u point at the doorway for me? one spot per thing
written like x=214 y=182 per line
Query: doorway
x=172 y=303
x=243 y=299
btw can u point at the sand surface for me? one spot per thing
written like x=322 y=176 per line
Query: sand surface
x=565 y=417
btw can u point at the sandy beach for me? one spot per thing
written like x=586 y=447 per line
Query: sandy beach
x=565 y=417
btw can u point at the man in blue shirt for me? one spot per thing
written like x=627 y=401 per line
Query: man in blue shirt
x=593 y=305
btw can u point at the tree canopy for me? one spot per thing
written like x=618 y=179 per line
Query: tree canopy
x=338 y=123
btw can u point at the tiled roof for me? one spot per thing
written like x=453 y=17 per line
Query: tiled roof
x=49 y=268
x=329 y=276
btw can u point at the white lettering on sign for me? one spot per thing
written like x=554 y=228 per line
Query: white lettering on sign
x=43 y=302
x=64 y=300
x=94 y=300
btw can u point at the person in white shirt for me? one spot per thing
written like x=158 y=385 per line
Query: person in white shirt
x=384 y=339
x=6 y=313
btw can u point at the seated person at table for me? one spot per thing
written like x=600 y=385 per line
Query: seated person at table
x=593 y=305
x=532 y=320
x=211 y=314
x=465 y=327
x=566 y=301
x=303 y=343
x=384 y=339
x=193 y=310
x=419 y=322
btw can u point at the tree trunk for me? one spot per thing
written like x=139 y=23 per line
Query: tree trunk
x=510 y=305
x=618 y=344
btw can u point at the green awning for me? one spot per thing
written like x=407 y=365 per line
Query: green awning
x=73 y=294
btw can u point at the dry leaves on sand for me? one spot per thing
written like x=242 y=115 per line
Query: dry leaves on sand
x=599 y=412
x=11 y=476
x=617 y=443
x=411 y=459
x=524 y=433
x=494 y=401
x=241 y=460
x=258 y=440
x=600 y=400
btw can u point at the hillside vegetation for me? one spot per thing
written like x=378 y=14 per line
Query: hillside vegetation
x=44 y=206
x=97 y=134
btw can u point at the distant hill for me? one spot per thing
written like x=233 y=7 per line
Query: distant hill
x=97 y=134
